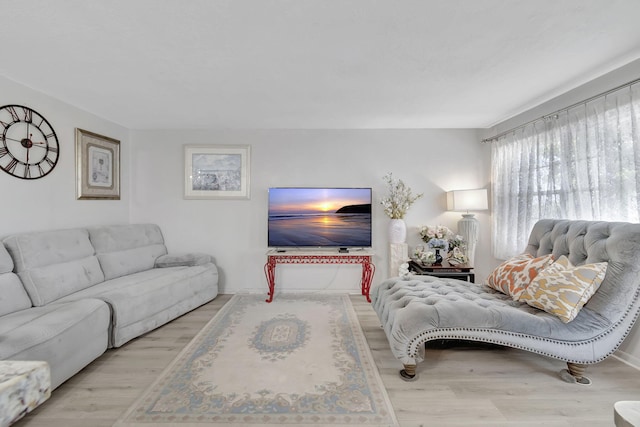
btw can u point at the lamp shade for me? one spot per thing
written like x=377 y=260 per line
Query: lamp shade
x=467 y=200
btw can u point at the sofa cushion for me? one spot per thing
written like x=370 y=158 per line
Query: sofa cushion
x=67 y=336
x=562 y=288
x=13 y=297
x=143 y=301
x=6 y=263
x=53 y=264
x=514 y=275
x=127 y=249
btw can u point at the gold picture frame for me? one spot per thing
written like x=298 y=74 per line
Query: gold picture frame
x=217 y=171
x=97 y=166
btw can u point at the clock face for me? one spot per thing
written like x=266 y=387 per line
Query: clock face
x=28 y=144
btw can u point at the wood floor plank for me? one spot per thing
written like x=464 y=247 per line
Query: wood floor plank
x=458 y=386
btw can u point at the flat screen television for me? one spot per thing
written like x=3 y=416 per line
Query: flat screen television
x=319 y=217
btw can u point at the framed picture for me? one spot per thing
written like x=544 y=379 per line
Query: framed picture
x=216 y=171
x=97 y=166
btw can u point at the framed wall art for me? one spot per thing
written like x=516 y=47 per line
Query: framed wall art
x=217 y=171
x=97 y=166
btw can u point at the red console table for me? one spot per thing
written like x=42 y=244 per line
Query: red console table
x=320 y=257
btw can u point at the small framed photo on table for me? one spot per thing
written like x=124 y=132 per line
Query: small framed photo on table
x=97 y=166
x=216 y=171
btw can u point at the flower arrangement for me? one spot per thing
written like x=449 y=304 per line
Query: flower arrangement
x=457 y=241
x=441 y=237
x=400 y=198
x=439 y=232
x=438 y=244
x=424 y=257
x=457 y=257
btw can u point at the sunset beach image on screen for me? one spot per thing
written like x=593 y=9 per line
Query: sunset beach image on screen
x=319 y=217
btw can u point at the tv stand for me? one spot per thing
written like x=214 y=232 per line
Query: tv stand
x=275 y=257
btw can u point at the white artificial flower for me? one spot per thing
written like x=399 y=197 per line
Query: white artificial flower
x=400 y=198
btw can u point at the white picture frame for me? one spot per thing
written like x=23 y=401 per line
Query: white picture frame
x=217 y=171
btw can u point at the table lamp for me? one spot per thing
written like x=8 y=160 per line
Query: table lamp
x=468 y=226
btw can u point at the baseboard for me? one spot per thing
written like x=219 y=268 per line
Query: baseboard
x=627 y=358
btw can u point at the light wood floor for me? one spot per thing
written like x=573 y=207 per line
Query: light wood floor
x=461 y=386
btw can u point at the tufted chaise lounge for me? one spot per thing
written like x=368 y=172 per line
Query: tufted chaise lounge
x=426 y=308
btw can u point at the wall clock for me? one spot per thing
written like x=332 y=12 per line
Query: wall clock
x=29 y=145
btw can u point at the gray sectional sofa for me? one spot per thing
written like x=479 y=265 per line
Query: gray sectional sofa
x=68 y=295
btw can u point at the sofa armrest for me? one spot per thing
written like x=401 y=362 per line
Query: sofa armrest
x=183 y=260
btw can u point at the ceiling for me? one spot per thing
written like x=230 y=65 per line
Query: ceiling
x=312 y=64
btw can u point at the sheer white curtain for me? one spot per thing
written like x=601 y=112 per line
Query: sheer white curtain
x=581 y=163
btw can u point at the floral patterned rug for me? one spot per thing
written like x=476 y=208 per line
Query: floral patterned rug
x=300 y=360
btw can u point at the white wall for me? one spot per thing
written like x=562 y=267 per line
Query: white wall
x=235 y=232
x=630 y=348
x=50 y=202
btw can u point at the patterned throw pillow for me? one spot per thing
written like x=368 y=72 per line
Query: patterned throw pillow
x=514 y=275
x=562 y=289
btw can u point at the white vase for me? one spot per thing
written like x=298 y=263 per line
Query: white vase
x=397 y=231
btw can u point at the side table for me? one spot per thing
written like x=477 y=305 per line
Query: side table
x=460 y=271
x=363 y=257
x=23 y=386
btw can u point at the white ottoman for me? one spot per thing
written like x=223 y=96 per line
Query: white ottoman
x=626 y=413
x=23 y=386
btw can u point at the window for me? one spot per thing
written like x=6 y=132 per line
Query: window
x=580 y=163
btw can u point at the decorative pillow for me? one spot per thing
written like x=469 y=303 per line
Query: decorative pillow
x=514 y=275
x=562 y=289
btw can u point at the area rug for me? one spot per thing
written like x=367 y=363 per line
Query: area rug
x=301 y=360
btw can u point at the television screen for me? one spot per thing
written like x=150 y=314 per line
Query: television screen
x=319 y=217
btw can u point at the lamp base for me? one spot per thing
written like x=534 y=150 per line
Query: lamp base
x=469 y=229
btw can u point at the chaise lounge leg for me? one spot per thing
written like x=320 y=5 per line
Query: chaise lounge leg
x=575 y=373
x=409 y=373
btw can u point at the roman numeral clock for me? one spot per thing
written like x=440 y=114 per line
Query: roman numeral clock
x=29 y=148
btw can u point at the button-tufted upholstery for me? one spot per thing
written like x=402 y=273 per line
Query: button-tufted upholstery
x=426 y=308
